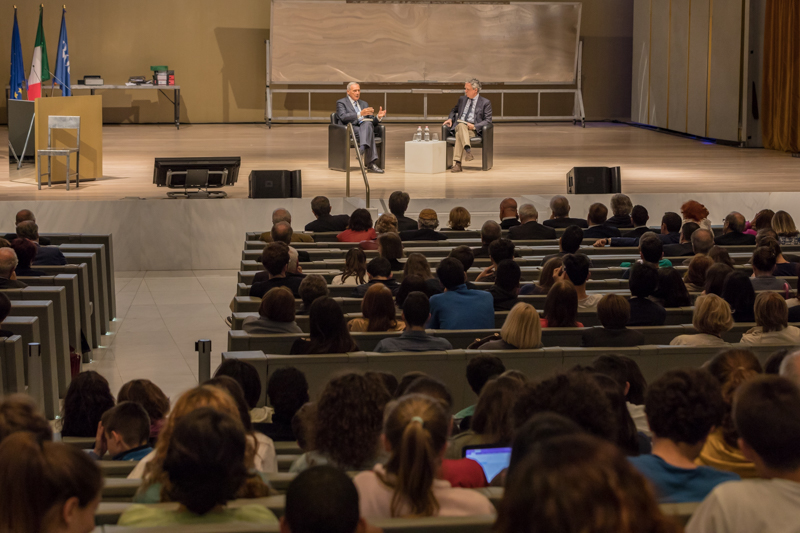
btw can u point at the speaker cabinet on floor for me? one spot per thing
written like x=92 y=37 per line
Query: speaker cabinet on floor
x=594 y=180
x=275 y=184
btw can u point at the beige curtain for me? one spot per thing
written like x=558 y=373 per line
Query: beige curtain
x=781 y=85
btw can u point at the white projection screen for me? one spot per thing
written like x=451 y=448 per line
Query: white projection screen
x=319 y=41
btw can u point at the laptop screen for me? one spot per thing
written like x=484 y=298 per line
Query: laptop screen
x=493 y=459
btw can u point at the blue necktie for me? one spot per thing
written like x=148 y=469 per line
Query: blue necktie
x=358 y=111
x=468 y=110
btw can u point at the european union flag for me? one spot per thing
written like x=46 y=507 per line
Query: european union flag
x=62 y=61
x=17 y=82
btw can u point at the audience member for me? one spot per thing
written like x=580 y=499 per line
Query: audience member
x=569 y=243
x=428 y=222
x=530 y=229
x=547 y=278
x=123 y=432
x=693 y=211
x=18 y=412
x=598 y=226
x=490 y=232
x=312 y=287
x=763 y=261
x=762 y=220
x=773 y=364
x=459 y=307
x=522 y=330
x=406 y=380
x=275 y=315
x=695 y=277
x=505 y=290
x=719 y=254
x=739 y=293
x=287 y=391
x=576 y=270
x=325 y=222
x=152 y=398
x=87 y=398
x=378 y=312
x=387 y=379
x=275 y=259
x=772 y=322
x=790 y=367
x=355 y=269
x=715 y=278
x=248 y=379
x=390 y=247
x=733 y=232
x=684 y=246
x=480 y=369
x=702 y=241
x=414 y=338
x=559 y=214
x=614 y=313
x=766 y=416
x=639 y=218
x=561 y=306
x=412 y=283
x=22 y=216
x=283 y=215
x=642 y=284
x=5 y=309
x=417 y=265
x=628 y=375
x=651 y=252
x=347 y=426
x=508 y=214
x=45 y=255
x=459 y=219
x=464 y=254
x=328 y=330
x=627 y=437
x=783 y=267
x=359 y=228
x=398 y=204
x=711 y=318
x=379 y=272
x=783 y=224
x=26 y=252
x=282 y=232
x=499 y=250
x=386 y=223
x=8 y=263
x=621 y=207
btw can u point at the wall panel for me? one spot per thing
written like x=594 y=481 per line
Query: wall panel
x=725 y=77
x=698 y=67
x=678 y=60
x=659 y=63
x=641 y=60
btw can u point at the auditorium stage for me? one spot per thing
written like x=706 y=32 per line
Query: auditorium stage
x=529 y=159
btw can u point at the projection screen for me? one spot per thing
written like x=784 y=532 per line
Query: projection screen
x=318 y=41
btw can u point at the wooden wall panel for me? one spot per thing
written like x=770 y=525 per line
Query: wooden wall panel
x=725 y=73
x=659 y=63
x=678 y=64
x=698 y=67
x=640 y=86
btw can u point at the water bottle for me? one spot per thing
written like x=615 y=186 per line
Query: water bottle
x=418 y=135
x=427 y=134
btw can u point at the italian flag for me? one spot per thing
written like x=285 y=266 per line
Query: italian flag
x=40 y=69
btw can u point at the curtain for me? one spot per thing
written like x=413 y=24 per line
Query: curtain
x=781 y=84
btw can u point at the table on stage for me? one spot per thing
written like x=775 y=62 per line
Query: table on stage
x=176 y=100
x=426 y=157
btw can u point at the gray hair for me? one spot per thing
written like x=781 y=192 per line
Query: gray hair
x=281 y=215
x=349 y=85
x=559 y=205
x=621 y=204
x=790 y=367
x=28 y=230
x=476 y=84
x=8 y=262
x=425 y=223
x=527 y=211
x=702 y=241
x=294 y=260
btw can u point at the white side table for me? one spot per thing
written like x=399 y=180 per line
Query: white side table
x=425 y=157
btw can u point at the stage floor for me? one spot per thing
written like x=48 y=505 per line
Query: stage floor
x=529 y=159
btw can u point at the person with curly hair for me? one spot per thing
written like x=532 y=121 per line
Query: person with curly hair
x=682 y=408
x=348 y=421
x=712 y=317
x=87 y=398
x=693 y=211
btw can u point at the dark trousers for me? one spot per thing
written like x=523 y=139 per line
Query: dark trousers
x=366 y=137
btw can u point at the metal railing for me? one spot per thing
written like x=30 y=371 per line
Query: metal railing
x=352 y=137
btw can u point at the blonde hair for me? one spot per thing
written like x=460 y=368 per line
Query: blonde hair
x=459 y=218
x=783 y=224
x=522 y=328
x=712 y=315
x=386 y=223
x=771 y=312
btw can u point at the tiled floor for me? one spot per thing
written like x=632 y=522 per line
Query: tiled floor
x=160 y=315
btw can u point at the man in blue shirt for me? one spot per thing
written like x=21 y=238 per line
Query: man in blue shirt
x=123 y=432
x=459 y=307
x=416 y=311
x=682 y=407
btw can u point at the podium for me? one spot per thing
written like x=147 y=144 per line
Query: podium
x=90 y=109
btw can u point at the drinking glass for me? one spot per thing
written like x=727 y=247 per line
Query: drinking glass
x=434 y=137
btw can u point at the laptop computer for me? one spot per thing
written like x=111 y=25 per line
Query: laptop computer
x=493 y=458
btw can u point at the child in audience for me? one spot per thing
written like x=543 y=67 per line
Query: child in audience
x=287 y=390
x=712 y=317
x=355 y=269
x=148 y=395
x=522 y=330
x=247 y=377
x=415 y=436
x=480 y=369
x=378 y=311
x=123 y=432
x=328 y=330
x=87 y=398
x=682 y=406
x=767 y=417
x=347 y=424
x=204 y=467
x=18 y=412
x=46 y=486
x=772 y=322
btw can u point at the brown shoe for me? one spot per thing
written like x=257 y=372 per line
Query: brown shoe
x=468 y=154
x=456 y=166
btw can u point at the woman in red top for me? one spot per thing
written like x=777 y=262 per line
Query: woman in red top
x=561 y=306
x=359 y=229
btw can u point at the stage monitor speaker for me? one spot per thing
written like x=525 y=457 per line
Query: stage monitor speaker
x=275 y=184
x=594 y=180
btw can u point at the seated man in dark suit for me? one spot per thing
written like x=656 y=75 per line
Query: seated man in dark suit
x=598 y=229
x=26 y=253
x=508 y=214
x=22 y=216
x=490 y=232
x=639 y=217
x=684 y=247
x=5 y=309
x=379 y=270
x=621 y=206
x=559 y=214
x=398 y=204
x=569 y=243
x=8 y=263
x=352 y=110
x=505 y=290
x=643 y=283
x=614 y=313
x=275 y=259
x=530 y=228
x=321 y=207
x=282 y=232
x=283 y=215
x=467 y=118
x=733 y=232
x=45 y=255
x=428 y=222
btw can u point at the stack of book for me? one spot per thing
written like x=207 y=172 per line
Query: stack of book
x=163 y=76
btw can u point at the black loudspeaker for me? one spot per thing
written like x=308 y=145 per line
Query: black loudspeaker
x=275 y=184
x=594 y=180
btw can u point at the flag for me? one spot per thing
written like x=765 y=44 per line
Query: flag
x=40 y=68
x=61 y=76
x=17 y=83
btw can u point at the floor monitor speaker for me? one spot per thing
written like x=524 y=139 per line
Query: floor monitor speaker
x=275 y=184
x=594 y=180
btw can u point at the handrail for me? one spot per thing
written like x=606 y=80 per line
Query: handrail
x=352 y=134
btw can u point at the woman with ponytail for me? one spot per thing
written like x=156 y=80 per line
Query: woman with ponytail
x=46 y=486
x=415 y=437
x=721 y=450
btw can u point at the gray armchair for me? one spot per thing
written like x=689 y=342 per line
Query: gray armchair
x=339 y=145
x=484 y=141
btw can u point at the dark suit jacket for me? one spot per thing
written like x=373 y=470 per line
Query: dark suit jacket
x=531 y=230
x=361 y=290
x=678 y=250
x=503 y=300
x=509 y=223
x=6 y=333
x=406 y=224
x=44 y=241
x=611 y=338
x=347 y=113
x=636 y=232
x=329 y=223
x=645 y=312
x=49 y=255
x=735 y=239
x=601 y=231
x=260 y=288
x=621 y=221
x=422 y=235
x=565 y=222
x=6 y=283
x=670 y=238
x=483 y=251
x=483 y=113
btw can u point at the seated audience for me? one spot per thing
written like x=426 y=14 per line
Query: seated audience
x=45 y=255
x=731 y=368
x=398 y=204
x=282 y=232
x=621 y=206
x=18 y=412
x=715 y=278
x=569 y=243
x=417 y=265
x=390 y=247
x=739 y=293
x=719 y=254
x=5 y=310
x=378 y=312
x=522 y=330
x=628 y=376
x=428 y=222
x=578 y=483
x=8 y=263
x=148 y=395
x=766 y=417
x=639 y=218
x=642 y=284
x=762 y=220
x=695 y=277
x=682 y=407
x=287 y=391
x=490 y=232
x=508 y=214
x=733 y=232
x=693 y=211
x=312 y=287
x=386 y=378
x=416 y=312
x=559 y=214
x=561 y=306
x=547 y=277
x=459 y=219
x=26 y=253
x=47 y=486
x=386 y=223
x=627 y=437
x=505 y=290
x=347 y=425
x=283 y=215
x=712 y=317
x=321 y=207
x=459 y=307
x=480 y=369
x=328 y=330
x=598 y=226
x=702 y=242
x=202 y=469
x=87 y=398
x=355 y=269
x=576 y=269
x=464 y=254
x=359 y=228
x=123 y=432
x=614 y=313
x=772 y=322
x=783 y=224
x=275 y=259
x=684 y=247
x=275 y=315
x=499 y=250
x=415 y=436
x=783 y=267
x=651 y=252
x=379 y=272
x=530 y=229
x=412 y=283
x=22 y=216
x=248 y=379
x=763 y=261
